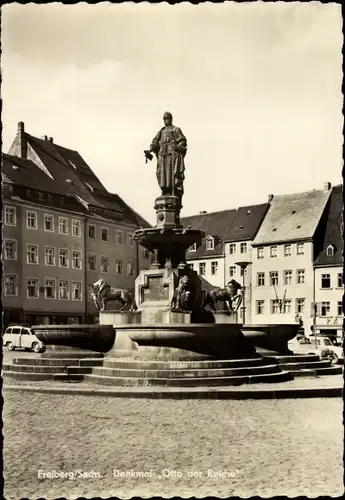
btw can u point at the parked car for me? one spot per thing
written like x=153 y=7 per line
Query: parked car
x=21 y=337
x=305 y=345
x=325 y=343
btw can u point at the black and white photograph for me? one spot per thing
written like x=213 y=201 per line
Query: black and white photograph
x=172 y=250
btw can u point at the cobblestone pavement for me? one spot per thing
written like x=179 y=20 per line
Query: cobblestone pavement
x=244 y=448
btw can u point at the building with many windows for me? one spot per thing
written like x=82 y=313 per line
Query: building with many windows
x=283 y=254
x=328 y=315
x=62 y=230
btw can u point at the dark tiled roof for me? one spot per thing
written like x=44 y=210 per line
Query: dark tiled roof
x=292 y=217
x=77 y=179
x=217 y=224
x=28 y=174
x=247 y=222
x=333 y=233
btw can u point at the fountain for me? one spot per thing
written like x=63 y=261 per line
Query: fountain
x=168 y=337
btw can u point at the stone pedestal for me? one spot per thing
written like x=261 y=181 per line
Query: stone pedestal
x=226 y=317
x=119 y=318
x=168 y=211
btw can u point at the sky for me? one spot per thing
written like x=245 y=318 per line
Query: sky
x=255 y=88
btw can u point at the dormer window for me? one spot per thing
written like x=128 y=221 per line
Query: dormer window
x=249 y=212
x=330 y=250
x=210 y=243
x=69 y=181
x=193 y=248
x=15 y=167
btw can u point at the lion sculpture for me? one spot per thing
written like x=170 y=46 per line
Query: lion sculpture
x=102 y=293
x=230 y=295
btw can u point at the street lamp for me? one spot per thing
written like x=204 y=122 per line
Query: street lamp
x=243 y=265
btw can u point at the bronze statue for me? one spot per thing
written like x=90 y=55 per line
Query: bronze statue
x=230 y=295
x=187 y=296
x=102 y=293
x=170 y=147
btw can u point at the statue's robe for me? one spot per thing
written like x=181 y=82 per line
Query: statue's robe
x=170 y=146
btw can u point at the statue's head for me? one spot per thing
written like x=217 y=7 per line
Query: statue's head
x=167 y=117
x=234 y=285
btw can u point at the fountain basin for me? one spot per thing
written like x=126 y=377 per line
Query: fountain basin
x=97 y=338
x=271 y=337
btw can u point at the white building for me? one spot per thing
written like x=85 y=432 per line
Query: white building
x=283 y=257
x=328 y=272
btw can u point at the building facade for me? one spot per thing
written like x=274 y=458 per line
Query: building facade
x=283 y=257
x=62 y=231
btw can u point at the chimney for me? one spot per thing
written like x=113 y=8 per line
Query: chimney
x=23 y=146
x=327 y=187
x=270 y=198
x=51 y=139
x=45 y=137
x=203 y=212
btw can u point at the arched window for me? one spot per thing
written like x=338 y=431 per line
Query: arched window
x=330 y=250
x=210 y=243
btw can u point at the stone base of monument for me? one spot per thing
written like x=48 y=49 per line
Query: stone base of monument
x=119 y=318
x=226 y=317
x=271 y=338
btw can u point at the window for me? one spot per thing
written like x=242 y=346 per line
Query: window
x=340 y=280
x=10 y=216
x=325 y=281
x=273 y=251
x=105 y=234
x=287 y=250
x=50 y=256
x=202 y=268
x=300 y=276
x=260 y=306
x=193 y=248
x=243 y=248
x=210 y=243
x=274 y=278
x=76 y=228
x=300 y=305
x=92 y=232
x=11 y=249
x=275 y=306
x=325 y=308
x=31 y=219
x=119 y=237
x=63 y=225
x=130 y=268
x=76 y=290
x=63 y=258
x=191 y=266
x=330 y=251
x=49 y=289
x=32 y=288
x=130 y=241
x=287 y=277
x=76 y=259
x=11 y=284
x=214 y=268
x=300 y=248
x=91 y=262
x=232 y=248
x=32 y=254
x=260 y=279
x=119 y=266
x=146 y=253
x=104 y=264
x=49 y=222
x=63 y=290
x=260 y=252
x=287 y=306
x=340 y=308
x=232 y=271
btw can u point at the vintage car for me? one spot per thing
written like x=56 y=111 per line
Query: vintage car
x=23 y=338
x=325 y=343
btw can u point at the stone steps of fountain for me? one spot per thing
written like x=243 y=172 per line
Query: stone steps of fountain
x=297 y=365
x=59 y=361
x=184 y=373
x=175 y=365
x=46 y=369
x=189 y=382
x=293 y=358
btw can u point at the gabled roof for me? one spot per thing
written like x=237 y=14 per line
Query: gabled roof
x=76 y=178
x=247 y=222
x=292 y=217
x=26 y=173
x=333 y=232
x=215 y=224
